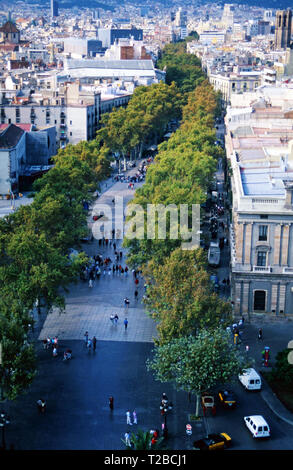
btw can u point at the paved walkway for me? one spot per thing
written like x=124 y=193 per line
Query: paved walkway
x=89 y=309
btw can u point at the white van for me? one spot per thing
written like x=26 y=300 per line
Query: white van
x=214 y=254
x=257 y=425
x=250 y=379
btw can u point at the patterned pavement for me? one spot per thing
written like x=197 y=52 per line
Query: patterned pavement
x=89 y=309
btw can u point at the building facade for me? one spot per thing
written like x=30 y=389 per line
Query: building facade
x=259 y=146
x=74 y=113
x=54 y=8
x=283 y=27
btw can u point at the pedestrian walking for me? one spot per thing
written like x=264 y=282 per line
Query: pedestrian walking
x=120 y=254
x=94 y=343
x=116 y=318
x=128 y=418
x=126 y=302
x=134 y=416
x=136 y=281
x=55 y=353
x=86 y=337
x=89 y=344
x=125 y=323
x=111 y=402
x=127 y=439
x=90 y=282
x=247 y=349
x=41 y=405
x=135 y=294
x=259 y=336
x=112 y=317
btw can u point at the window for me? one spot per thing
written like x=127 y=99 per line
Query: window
x=261 y=258
x=48 y=116
x=263 y=233
x=264 y=216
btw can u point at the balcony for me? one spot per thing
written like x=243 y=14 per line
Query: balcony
x=262 y=269
x=287 y=270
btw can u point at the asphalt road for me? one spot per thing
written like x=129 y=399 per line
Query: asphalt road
x=78 y=416
x=231 y=421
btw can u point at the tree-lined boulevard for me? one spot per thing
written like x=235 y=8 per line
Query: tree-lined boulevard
x=175 y=339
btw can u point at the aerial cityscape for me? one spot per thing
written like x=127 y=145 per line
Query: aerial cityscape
x=146 y=228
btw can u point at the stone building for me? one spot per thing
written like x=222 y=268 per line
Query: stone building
x=283 y=28
x=260 y=150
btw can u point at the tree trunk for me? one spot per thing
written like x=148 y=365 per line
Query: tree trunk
x=141 y=149
x=197 y=405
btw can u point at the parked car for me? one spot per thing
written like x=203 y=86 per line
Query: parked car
x=213 y=442
x=97 y=217
x=258 y=426
x=227 y=398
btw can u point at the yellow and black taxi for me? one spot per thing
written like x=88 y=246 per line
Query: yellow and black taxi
x=213 y=442
x=227 y=398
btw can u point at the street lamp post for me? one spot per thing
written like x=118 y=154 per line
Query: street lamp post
x=4 y=420
x=165 y=407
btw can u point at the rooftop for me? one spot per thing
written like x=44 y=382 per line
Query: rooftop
x=9 y=27
x=264 y=181
x=109 y=64
x=10 y=136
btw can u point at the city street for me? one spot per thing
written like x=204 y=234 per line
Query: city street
x=77 y=391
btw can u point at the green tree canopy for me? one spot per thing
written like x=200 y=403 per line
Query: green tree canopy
x=181 y=298
x=196 y=364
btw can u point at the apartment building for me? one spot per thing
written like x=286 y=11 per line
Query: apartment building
x=230 y=83
x=73 y=112
x=259 y=146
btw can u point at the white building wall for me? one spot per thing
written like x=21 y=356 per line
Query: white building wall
x=77 y=124
x=4 y=172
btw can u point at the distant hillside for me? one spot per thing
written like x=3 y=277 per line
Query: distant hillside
x=74 y=3
x=277 y=4
x=84 y=4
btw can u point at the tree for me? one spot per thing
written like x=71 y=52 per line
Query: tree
x=18 y=360
x=142 y=441
x=196 y=364
x=282 y=370
x=180 y=296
